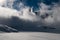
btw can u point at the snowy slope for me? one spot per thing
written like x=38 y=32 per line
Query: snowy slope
x=29 y=36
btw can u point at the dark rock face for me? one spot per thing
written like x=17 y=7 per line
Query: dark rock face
x=5 y=28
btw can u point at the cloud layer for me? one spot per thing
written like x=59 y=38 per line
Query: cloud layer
x=44 y=14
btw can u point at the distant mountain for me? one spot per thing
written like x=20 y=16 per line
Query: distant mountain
x=5 y=28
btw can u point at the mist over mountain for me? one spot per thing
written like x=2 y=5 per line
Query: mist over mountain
x=29 y=14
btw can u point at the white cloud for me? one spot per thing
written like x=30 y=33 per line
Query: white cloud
x=7 y=12
x=56 y=13
x=8 y=3
x=27 y=15
x=2 y=2
x=44 y=9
